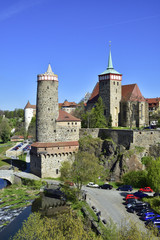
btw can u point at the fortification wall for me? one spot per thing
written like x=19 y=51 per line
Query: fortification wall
x=127 y=138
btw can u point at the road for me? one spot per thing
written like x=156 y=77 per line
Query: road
x=110 y=203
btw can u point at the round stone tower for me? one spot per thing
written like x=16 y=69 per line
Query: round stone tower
x=47 y=106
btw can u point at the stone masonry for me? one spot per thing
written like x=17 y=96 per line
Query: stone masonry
x=57 y=132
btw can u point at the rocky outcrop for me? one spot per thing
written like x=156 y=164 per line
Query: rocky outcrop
x=119 y=160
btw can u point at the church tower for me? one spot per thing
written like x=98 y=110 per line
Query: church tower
x=110 y=91
x=47 y=106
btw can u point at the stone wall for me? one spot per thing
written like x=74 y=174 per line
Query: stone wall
x=47 y=110
x=127 y=138
x=46 y=161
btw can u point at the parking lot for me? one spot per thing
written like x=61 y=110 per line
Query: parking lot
x=111 y=205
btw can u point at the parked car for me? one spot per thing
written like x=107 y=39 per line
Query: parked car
x=148 y=216
x=91 y=184
x=145 y=189
x=140 y=194
x=154 y=223
x=125 y=188
x=106 y=186
x=130 y=196
x=136 y=207
x=131 y=201
x=144 y=210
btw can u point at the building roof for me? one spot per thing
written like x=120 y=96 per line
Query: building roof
x=49 y=70
x=110 y=68
x=68 y=104
x=95 y=94
x=55 y=144
x=66 y=117
x=153 y=102
x=131 y=92
x=28 y=105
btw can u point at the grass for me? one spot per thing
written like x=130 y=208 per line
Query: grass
x=3 y=148
x=17 y=196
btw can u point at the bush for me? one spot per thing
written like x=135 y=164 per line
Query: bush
x=34 y=184
x=135 y=178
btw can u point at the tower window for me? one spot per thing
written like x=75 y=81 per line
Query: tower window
x=104 y=111
x=57 y=171
x=116 y=90
x=117 y=83
x=113 y=83
x=47 y=87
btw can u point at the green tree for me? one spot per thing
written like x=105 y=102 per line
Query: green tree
x=110 y=121
x=97 y=115
x=85 y=168
x=154 y=175
x=32 y=128
x=5 y=130
x=66 y=226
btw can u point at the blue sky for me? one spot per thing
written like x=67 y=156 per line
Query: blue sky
x=73 y=36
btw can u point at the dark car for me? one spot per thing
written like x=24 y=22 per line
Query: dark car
x=106 y=186
x=125 y=188
x=136 y=207
x=140 y=194
x=144 y=210
x=131 y=200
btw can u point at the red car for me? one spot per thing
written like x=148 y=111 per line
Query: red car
x=145 y=189
x=129 y=196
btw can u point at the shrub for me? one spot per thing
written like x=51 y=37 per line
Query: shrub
x=135 y=178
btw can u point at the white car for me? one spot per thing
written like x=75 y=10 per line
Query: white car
x=91 y=184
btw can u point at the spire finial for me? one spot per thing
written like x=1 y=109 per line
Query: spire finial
x=110 y=45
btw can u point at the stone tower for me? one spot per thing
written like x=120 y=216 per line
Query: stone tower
x=57 y=132
x=47 y=106
x=110 y=91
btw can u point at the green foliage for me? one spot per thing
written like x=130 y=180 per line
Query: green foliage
x=158 y=124
x=154 y=175
x=98 y=118
x=154 y=202
x=135 y=178
x=110 y=121
x=33 y=184
x=139 y=149
x=147 y=161
x=17 y=196
x=32 y=128
x=85 y=168
x=91 y=145
x=66 y=226
x=5 y=130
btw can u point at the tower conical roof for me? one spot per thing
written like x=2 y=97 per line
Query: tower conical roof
x=110 y=65
x=49 y=70
x=110 y=68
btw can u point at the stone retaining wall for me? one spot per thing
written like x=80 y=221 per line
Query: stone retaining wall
x=127 y=138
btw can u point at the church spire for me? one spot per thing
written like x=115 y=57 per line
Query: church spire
x=110 y=65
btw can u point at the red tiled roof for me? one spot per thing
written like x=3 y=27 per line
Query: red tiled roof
x=55 y=144
x=95 y=94
x=131 y=92
x=68 y=104
x=28 y=105
x=153 y=100
x=66 y=117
